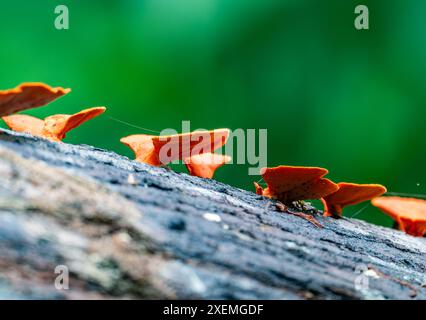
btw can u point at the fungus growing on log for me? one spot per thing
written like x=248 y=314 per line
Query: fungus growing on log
x=182 y=146
x=161 y=150
x=409 y=213
x=27 y=96
x=53 y=127
x=142 y=146
x=204 y=165
x=349 y=194
x=288 y=183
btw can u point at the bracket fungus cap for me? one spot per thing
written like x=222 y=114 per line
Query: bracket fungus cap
x=204 y=165
x=290 y=183
x=54 y=127
x=28 y=95
x=161 y=150
x=185 y=145
x=350 y=194
x=409 y=213
x=142 y=146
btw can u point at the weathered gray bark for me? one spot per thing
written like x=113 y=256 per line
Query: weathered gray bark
x=128 y=230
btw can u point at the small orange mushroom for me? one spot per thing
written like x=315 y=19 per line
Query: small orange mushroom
x=181 y=146
x=349 y=194
x=142 y=146
x=288 y=183
x=27 y=96
x=161 y=150
x=54 y=127
x=204 y=165
x=409 y=213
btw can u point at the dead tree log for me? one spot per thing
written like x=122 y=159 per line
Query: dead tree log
x=127 y=230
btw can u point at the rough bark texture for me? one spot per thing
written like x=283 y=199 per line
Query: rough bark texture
x=128 y=230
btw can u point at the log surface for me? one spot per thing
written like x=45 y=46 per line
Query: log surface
x=128 y=230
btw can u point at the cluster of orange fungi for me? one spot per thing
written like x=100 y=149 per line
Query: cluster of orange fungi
x=284 y=183
x=194 y=148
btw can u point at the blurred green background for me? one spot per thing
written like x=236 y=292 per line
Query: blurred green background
x=332 y=96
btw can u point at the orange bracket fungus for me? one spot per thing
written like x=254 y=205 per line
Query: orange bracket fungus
x=27 y=96
x=54 y=127
x=288 y=183
x=190 y=147
x=142 y=146
x=349 y=194
x=409 y=213
x=204 y=165
x=182 y=146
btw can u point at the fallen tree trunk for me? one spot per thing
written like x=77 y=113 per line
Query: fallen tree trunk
x=128 y=230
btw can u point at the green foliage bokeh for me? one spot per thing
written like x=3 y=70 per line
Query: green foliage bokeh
x=332 y=96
